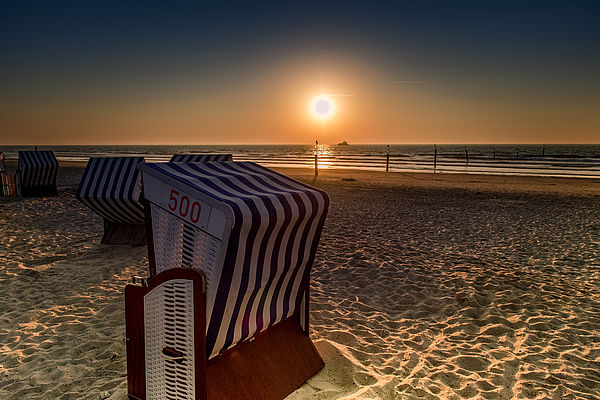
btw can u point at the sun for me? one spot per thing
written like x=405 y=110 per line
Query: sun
x=322 y=107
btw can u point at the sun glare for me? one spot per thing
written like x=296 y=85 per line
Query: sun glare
x=322 y=107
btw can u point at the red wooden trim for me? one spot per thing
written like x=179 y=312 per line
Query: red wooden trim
x=135 y=341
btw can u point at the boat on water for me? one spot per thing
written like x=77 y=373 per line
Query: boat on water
x=344 y=143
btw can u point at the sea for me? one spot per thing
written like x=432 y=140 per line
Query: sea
x=581 y=161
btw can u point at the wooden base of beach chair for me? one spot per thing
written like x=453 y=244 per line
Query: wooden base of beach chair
x=118 y=233
x=39 y=191
x=269 y=366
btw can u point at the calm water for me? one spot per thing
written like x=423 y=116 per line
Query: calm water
x=548 y=160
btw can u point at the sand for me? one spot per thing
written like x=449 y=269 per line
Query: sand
x=424 y=286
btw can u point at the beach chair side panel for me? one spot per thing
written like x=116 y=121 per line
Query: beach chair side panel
x=165 y=326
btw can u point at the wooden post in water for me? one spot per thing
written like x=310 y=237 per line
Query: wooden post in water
x=434 y=157
x=316 y=158
x=467 y=155
x=387 y=159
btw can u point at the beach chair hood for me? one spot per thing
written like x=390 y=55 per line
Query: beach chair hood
x=110 y=187
x=201 y=158
x=38 y=171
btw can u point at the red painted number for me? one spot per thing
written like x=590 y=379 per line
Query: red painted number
x=173 y=199
x=183 y=206
x=183 y=212
x=195 y=213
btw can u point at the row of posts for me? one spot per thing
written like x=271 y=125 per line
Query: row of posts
x=435 y=152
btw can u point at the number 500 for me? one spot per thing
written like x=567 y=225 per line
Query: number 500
x=181 y=205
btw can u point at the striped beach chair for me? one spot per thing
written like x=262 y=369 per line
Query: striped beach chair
x=201 y=157
x=36 y=173
x=110 y=186
x=231 y=246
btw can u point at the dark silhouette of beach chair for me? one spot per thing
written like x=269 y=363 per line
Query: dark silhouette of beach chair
x=36 y=173
x=201 y=157
x=111 y=187
x=224 y=314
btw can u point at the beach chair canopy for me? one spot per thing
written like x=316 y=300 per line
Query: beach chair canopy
x=38 y=169
x=201 y=157
x=110 y=187
x=253 y=233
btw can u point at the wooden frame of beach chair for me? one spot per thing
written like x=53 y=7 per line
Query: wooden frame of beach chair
x=111 y=187
x=9 y=187
x=209 y=157
x=36 y=173
x=251 y=222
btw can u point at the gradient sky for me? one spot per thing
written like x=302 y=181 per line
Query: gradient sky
x=86 y=72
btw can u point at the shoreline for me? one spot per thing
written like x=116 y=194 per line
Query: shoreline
x=573 y=186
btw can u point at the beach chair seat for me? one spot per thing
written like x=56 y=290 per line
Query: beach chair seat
x=201 y=157
x=111 y=187
x=36 y=173
x=252 y=234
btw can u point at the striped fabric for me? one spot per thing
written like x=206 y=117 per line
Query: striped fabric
x=109 y=186
x=38 y=169
x=201 y=157
x=277 y=223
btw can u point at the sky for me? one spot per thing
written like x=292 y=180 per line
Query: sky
x=245 y=72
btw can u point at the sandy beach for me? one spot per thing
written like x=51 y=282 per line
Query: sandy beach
x=425 y=286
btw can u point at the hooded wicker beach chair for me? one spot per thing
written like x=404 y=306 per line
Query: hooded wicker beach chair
x=110 y=186
x=224 y=314
x=36 y=173
x=201 y=158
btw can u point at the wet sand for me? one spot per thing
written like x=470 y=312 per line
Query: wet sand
x=424 y=286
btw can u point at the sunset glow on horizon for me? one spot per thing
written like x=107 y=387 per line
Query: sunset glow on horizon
x=395 y=73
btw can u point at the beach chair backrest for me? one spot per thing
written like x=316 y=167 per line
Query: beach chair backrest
x=253 y=233
x=109 y=186
x=201 y=158
x=38 y=169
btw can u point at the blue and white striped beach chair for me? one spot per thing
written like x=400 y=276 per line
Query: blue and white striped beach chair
x=111 y=187
x=36 y=172
x=252 y=234
x=201 y=157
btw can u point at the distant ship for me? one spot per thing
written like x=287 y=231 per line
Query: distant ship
x=344 y=143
